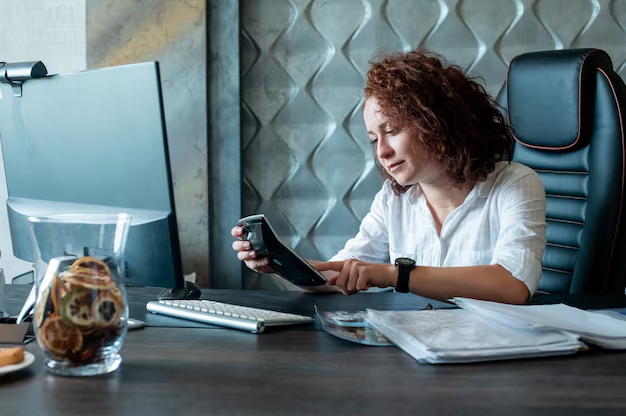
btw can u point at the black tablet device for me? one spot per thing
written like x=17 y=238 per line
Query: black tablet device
x=285 y=262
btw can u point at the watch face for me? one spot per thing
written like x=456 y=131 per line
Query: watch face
x=404 y=261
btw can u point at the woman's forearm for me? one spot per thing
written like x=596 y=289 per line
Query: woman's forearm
x=491 y=282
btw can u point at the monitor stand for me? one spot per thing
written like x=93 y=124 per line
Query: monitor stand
x=189 y=292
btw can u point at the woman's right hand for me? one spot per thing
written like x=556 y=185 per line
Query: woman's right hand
x=249 y=256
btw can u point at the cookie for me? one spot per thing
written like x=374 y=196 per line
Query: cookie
x=10 y=356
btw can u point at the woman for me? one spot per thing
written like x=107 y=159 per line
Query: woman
x=473 y=223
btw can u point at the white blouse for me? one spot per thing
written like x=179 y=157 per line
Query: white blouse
x=502 y=221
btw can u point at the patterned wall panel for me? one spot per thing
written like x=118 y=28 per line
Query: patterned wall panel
x=307 y=162
x=172 y=32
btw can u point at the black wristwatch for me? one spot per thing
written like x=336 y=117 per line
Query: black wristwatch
x=404 y=266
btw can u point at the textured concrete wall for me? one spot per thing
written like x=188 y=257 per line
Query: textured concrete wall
x=172 y=32
x=303 y=64
x=31 y=30
x=224 y=140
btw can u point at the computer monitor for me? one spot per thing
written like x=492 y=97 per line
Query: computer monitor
x=94 y=142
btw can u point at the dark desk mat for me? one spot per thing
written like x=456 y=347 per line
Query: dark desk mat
x=284 y=301
x=303 y=303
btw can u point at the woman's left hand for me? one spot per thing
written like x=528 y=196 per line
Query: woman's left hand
x=355 y=275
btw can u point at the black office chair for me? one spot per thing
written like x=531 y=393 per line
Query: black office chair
x=567 y=109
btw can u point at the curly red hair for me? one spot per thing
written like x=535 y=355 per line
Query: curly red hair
x=450 y=114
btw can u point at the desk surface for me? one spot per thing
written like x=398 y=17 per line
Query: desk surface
x=211 y=370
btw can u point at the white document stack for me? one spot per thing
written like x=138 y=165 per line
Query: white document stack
x=605 y=329
x=483 y=331
x=461 y=336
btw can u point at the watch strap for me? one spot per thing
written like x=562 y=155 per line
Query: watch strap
x=402 y=285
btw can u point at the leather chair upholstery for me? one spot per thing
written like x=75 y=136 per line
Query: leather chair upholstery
x=567 y=109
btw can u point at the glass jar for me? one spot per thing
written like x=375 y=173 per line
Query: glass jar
x=81 y=311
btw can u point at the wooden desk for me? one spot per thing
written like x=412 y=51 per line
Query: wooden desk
x=210 y=370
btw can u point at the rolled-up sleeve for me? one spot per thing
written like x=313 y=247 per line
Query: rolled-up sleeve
x=522 y=237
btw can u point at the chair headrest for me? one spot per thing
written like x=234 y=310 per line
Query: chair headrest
x=551 y=97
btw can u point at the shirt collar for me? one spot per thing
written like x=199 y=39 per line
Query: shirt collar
x=414 y=193
x=482 y=188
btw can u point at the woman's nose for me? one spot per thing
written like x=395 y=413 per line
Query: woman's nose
x=383 y=150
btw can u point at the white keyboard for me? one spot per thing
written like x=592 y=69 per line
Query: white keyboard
x=224 y=314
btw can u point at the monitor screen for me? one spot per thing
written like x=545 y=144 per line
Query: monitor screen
x=94 y=142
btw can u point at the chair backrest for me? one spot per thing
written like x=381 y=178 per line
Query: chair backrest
x=567 y=109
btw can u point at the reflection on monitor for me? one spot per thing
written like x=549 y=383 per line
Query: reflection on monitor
x=94 y=142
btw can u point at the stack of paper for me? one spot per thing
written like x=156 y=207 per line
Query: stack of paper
x=597 y=328
x=454 y=336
